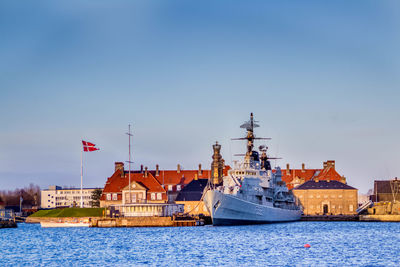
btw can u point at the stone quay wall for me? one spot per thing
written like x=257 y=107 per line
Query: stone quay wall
x=133 y=222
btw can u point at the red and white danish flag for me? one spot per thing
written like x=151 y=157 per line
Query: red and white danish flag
x=88 y=147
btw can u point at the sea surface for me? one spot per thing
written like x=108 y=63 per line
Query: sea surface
x=332 y=243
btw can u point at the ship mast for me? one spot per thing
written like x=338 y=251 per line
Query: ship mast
x=129 y=161
x=250 y=137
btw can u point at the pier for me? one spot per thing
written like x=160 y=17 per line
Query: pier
x=330 y=218
x=146 y=222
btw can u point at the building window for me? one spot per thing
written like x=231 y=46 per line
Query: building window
x=178 y=187
x=159 y=197
x=325 y=196
x=311 y=196
x=114 y=196
x=350 y=207
x=153 y=196
x=340 y=196
x=169 y=187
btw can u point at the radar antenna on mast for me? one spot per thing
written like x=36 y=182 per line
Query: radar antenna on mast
x=249 y=126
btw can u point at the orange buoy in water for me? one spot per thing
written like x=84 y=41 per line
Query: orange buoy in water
x=307 y=246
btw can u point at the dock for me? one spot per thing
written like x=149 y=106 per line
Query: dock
x=330 y=218
x=380 y=218
x=145 y=222
x=140 y=221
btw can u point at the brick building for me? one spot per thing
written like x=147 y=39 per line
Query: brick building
x=386 y=190
x=148 y=186
x=326 y=197
x=144 y=188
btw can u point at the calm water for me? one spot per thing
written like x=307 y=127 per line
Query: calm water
x=332 y=243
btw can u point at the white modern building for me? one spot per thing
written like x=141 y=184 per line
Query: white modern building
x=57 y=197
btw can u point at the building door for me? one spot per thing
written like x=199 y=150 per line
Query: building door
x=326 y=209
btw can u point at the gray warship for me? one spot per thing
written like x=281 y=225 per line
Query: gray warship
x=251 y=192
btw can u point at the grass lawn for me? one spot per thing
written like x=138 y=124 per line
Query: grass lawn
x=70 y=212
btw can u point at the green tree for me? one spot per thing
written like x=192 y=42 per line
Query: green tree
x=96 y=194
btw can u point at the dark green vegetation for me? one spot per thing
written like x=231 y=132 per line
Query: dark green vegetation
x=70 y=212
x=96 y=194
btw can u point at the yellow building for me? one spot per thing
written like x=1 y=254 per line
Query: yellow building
x=191 y=197
x=327 y=197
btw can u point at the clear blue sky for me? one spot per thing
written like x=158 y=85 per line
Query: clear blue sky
x=322 y=79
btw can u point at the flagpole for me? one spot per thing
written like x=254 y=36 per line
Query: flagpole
x=82 y=177
x=129 y=165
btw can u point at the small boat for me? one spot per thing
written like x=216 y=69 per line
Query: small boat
x=64 y=224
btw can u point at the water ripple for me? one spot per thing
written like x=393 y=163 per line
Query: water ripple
x=332 y=243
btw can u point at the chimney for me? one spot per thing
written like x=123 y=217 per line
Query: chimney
x=287 y=169
x=145 y=171
x=141 y=168
x=157 y=170
x=331 y=163
x=303 y=167
x=200 y=171
x=195 y=176
x=325 y=164
x=120 y=166
x=178 y=169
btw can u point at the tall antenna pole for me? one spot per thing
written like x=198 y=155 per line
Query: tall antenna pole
x=82 y=177
x=129 y=162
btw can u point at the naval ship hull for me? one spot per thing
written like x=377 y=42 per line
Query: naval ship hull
x=229 y=210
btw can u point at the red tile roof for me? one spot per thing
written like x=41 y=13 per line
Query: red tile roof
x=154 y=182
x=327 y=173
x=306 y=175
x=116 y=183
x=183 y=177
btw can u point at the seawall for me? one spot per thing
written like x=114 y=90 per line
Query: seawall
x=329 y=218
x=103 y=222
x=58 y=219
x=133 y=222
x=380 y=218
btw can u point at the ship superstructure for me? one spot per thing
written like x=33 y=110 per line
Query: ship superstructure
x=251 y=193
